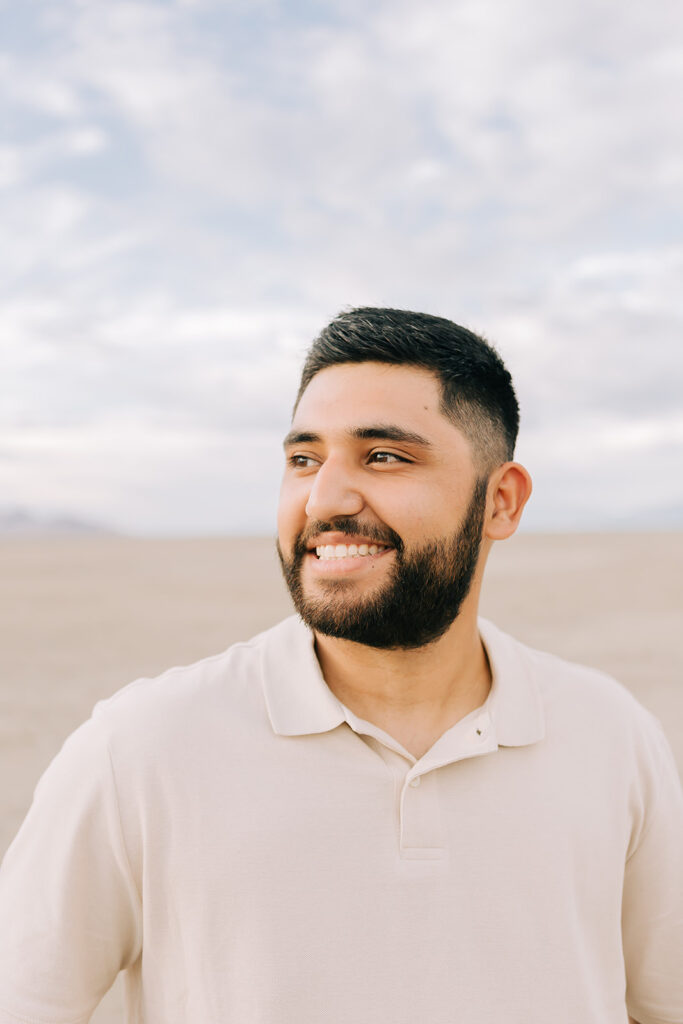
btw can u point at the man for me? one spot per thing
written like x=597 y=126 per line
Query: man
x=381 y=811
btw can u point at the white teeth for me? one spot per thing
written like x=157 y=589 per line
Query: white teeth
x=348 y=551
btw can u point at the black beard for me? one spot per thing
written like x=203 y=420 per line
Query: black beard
x=417 y=603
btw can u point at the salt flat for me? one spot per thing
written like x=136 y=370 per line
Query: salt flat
x=81 y=617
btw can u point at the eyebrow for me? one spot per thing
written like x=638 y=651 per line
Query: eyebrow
x=378 y=432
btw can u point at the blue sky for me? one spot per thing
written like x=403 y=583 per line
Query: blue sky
x=190 y=190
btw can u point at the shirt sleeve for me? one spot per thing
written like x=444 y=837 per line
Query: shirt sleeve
x=70 y=916
x=652 y=920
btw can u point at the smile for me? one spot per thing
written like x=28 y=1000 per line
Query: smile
x=328 y=551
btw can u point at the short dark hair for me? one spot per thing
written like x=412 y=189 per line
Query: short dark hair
x=476 y=389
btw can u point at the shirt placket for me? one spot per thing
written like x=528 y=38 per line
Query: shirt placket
x=418 y=784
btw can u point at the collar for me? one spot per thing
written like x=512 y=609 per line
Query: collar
x=300 y=703
x=515 y=697
x=298 y=699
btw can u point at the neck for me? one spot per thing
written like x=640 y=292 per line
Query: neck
x=414 y=695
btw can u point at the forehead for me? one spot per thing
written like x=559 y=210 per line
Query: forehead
x=368 y=388
x=342 y=398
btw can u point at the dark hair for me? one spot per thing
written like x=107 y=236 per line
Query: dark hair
x=476 y=390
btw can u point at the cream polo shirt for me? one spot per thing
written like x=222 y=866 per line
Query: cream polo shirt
x=248 y=851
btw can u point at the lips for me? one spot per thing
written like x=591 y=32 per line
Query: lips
x=349 y=544
x=325 y=552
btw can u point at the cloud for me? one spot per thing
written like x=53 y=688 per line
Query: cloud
x=603 y=336
x=151 y=478
x=189 y=191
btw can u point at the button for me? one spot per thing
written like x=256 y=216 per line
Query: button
x=415 y=782
x=481 y=726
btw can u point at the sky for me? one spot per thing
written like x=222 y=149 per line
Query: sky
x=190 y=191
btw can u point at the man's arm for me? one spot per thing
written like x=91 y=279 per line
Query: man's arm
x=69 y=908
x=652 y=917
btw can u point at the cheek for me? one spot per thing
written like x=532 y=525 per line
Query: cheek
x=417 y=516
x=291 y=513
x=403 y=509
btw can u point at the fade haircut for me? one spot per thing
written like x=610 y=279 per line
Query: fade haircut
x=476 y=389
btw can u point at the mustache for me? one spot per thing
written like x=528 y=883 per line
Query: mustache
x=350 y=525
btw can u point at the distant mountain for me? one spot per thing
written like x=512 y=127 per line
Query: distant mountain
x=21 y=522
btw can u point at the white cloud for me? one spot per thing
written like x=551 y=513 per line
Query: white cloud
x=147 y=478
x=30 y=84
x=184 y=203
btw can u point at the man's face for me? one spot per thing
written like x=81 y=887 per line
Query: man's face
x=381 y=508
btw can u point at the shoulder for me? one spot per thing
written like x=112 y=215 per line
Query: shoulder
x=579 y=701
x=223 y=690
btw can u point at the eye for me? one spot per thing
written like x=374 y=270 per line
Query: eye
x=302 y=461
x=385 y=458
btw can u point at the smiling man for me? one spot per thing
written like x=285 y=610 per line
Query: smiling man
x=382 y=809
x=381 y=527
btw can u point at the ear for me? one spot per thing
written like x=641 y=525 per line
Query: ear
x=509 y=490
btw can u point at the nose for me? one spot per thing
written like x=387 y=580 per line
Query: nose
x=333 y=493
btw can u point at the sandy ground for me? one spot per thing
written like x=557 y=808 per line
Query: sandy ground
x=81 y=617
